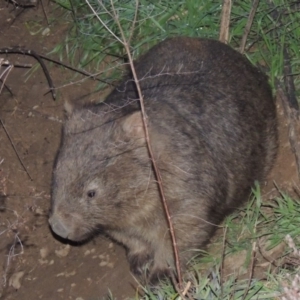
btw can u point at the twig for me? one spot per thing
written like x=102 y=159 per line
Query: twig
x=186 y=289
x=25 y=4
x=100 y=20
x=6 y=63
x=225 y=21
x=4 y=85
x=133 y=23
x=44 y=12
x=248 y=25
x=18 y=50
x=5 y=74
x=82 y=72
x=15 y=149
x=12 y=227
x=150 y=150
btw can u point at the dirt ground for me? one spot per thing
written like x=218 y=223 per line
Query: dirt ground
x=33 y=264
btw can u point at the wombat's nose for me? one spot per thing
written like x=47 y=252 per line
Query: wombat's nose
x=59 y=227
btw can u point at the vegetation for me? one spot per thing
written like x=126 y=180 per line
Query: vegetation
x=88 y=44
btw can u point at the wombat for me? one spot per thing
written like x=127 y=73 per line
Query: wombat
x=212 y=127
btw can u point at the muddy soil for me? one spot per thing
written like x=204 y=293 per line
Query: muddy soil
x=33 y=263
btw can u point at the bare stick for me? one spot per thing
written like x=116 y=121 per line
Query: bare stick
x=151 y=154
x=44 y=12
x=15 y=149
x=134 y=21
x=5 y=75
x=225 y=21
x=82 y=72
x=100 y=20
x=18 y=50
x=248 y=25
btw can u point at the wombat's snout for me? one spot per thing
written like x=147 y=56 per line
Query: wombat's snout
x=59 y=227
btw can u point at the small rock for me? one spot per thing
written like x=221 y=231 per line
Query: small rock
x=60 y=290
x=70 y=274
x=103 y=263
x=44 y=252
x=87 y=252
x=46 y=31
x=63 y=252
x=43 y=261
x=39 y=211
x=14 y=280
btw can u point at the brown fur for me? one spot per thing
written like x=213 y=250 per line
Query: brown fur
x=212 y=125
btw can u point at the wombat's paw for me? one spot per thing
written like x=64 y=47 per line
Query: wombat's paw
x=140 y=263
x=159 y=274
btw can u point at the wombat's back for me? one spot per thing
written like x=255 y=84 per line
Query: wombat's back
x=207 y=86
x=212 y=126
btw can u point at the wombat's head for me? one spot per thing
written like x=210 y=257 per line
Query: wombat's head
x=102 y=174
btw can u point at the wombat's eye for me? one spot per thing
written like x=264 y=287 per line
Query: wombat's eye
x=91 y=193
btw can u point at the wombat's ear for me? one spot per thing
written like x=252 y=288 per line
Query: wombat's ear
x=133 y=125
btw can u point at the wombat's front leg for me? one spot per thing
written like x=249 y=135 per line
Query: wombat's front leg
x=140 y=261
x=163 y=264
x=150 y=263
x=140 y=254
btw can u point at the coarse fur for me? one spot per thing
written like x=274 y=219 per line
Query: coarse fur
x=212 y=126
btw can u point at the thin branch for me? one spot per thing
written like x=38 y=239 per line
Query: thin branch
x=225 y=21
x=5 y=74
x=151 y=154
x=82 y=72
x=134 y=21
x=15 y=149
x=18 y=50
x=24 y=4
x=44 y=12
x=100 y=20
x=6 y=63
x=248 y=25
